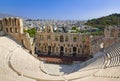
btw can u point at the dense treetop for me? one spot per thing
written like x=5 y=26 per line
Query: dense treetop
x=113 y=19
x=31 y=32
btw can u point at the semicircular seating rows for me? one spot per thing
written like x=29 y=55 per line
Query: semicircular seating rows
x=18 y=65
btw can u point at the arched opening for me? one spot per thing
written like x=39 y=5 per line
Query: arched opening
x=61 y=51
x=15 y=22
x=56 y=38
x=11 y=30
x=18 y=22
x=66 y=49
x=74 y=51
x=66 y=38
x=61 y=38
x=5 y=21
x=74 y=38
x=6 y=29
x=16 y=30
x=10 y=21
x=49 y=50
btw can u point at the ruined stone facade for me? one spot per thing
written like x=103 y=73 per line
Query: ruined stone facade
x=50 y=42
x=14 y=27
x=112 y=35
x=95 y=44
x=58 y=43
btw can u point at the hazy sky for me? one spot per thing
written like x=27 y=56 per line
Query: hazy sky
x=60 y=9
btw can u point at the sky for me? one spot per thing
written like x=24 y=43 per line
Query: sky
x=60 y=9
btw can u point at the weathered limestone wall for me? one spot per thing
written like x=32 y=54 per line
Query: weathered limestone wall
x=14 y=27
x=59 y=43
x=70 y=44
x=112 y=35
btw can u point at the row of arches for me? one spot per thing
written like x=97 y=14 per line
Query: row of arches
x=66 y=45
x=60 y=38
x=49 y=50
x=11 y=22
x=12 y=30
x=66 y=38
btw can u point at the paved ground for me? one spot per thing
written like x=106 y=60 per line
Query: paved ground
x=59 y=69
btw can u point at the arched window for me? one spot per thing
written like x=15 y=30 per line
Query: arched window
x=74 y=51
x=70 y=50
x=48 y=37
x=6 y=22
x=66 y=38
x=49 y=50
x=41 y=37
x=79 y=50
x=9 y=21
x=61 y=48
x=68 y=45
x=11 y=30
x=74 y=39
x=61 y=38
x=66 y=49
x=6 y=29
x=61 y=51
x=13 y=22
x=16 y=30
x=18 y=22
x=56 y=38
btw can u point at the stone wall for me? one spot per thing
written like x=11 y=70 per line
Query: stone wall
x=13 y=26
x=63 y=44
x=112 y=35
x=49 y=42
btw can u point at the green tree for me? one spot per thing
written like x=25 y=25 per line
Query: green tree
x=113 y=19
x=31 y=32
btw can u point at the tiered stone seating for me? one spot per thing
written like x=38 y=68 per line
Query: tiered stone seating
x=6 y=73
x=113 y=72
x=31 y=68
x=94 y=63
x=18 y=65
x=112 y=67
x=113 y=54
x=27 y=65
x=90 y=78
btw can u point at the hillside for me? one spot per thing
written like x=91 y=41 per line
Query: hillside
x=113 y=19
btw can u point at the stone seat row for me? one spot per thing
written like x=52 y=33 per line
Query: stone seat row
x=29 y=67
x=7 y=47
